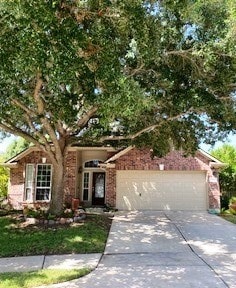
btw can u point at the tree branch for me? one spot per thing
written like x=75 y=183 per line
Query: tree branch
x=43 y=117
x=37 y=133
x=38 y=100
x=23 y=107
x=86 y=117
x=186 y=54
x=17 y=131
x=144 y=130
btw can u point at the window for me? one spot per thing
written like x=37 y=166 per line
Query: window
x=43 y=182
x=38 y=182
x=92 y=164
x=29 y=182
x=86 y=186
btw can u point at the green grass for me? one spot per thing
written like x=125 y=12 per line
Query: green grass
x=40 y=277
x=229 y=217
x=87 y=237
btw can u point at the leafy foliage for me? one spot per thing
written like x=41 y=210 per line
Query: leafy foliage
x=153 y=73
x=4 y=174
x=15 y=147
x=162 y=60
x=227 y=154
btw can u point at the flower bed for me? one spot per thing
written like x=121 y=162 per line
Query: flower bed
x=42 y=217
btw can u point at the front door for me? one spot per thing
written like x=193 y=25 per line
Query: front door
x=98 y=189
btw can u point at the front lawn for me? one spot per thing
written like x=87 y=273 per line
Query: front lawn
x=87 y=237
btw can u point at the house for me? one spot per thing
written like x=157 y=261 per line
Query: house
x=127 y=179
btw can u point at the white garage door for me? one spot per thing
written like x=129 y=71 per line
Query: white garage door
x=161 y=190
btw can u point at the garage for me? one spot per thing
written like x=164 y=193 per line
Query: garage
x=161 y=190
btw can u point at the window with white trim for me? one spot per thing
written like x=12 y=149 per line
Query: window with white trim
x=38 y=182
x=92 y=164
x=86 y=186
x=43 y=182
x=29 y=182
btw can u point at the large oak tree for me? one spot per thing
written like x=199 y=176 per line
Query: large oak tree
x=99 y=72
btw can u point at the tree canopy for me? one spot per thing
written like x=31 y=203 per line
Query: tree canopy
x=15 y=147
x=95 y=71
x=113 y=72
x=227 y=154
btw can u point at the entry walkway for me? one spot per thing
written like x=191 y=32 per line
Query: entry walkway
x=32 y=263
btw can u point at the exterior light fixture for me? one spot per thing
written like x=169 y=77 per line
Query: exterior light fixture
x=161 y=167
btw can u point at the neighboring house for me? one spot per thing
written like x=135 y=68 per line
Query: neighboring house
x=127 y=179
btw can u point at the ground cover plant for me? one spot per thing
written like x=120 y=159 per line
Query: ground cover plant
x=16 y=239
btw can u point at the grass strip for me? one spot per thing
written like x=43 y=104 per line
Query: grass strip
x=229 y=217
x=39 y=277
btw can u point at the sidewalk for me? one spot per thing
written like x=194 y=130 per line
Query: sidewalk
x=32 y=263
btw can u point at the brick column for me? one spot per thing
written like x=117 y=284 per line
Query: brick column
x=214 y=193
x=110 y=199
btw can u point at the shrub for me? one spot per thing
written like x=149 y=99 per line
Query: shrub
x=4 y=175
x=232 y=205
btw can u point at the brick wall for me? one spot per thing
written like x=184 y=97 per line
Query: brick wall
x=142 y=160
x=110 y=187
x=16 y=186
x=70 y=176
x=17 y=178
x=137 y=159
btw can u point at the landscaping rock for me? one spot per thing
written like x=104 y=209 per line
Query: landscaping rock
x=32 y=220
x=62 y=221
x=69 y=220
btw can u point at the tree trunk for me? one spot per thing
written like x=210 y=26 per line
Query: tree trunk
x=57 y=194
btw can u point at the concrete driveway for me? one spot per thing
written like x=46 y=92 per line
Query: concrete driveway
x=166 y=249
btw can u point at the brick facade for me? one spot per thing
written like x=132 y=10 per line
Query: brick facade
x=135 y=159
x=111 y=187
x=16 y=191
x=70 y=176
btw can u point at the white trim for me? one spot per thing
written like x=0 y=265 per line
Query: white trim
x=210 y=157
x=22 y=154
x=46 y=187
x=70 y=149
x=119 y=154
x=98 y=167
x=107 y=165
x=89 y=185
x=217 y=165
x=10 y=165
x=32 y=186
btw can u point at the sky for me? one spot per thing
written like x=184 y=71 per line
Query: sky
x=5 y=143
x=231 y=140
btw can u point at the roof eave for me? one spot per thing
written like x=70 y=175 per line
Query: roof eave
x=217 y=165
x=9 y=165
x=210 y=157
x=119 y=154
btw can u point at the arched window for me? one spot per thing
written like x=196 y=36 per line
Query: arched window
x=92 y=164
